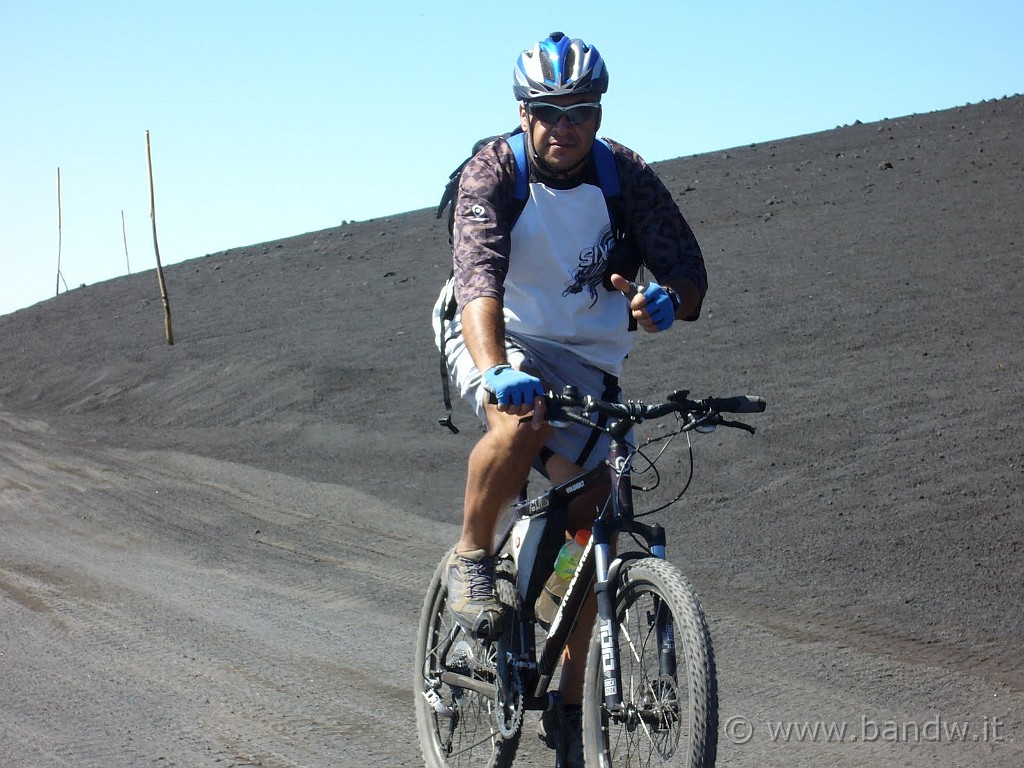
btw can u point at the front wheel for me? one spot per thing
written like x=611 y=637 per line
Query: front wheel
x=669 y=712
x=458 y=726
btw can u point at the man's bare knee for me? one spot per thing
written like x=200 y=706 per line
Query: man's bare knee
x=515 y=431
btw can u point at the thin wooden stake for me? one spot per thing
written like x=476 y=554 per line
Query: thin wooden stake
x=124 y=235
x=156 y=248
x=60 y=236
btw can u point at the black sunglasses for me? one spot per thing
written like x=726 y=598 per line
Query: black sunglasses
x=576 y=114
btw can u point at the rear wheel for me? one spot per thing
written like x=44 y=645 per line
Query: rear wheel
x=459 y=726
x=670 y=697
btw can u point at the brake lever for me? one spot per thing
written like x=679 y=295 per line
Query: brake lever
x=736 y=425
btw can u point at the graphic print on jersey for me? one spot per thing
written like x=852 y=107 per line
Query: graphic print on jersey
x=590 y=272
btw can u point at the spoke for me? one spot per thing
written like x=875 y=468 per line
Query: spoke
x=490 y=737
x=485 y=739
x=637 y=653
x=642 y=690
x=624 y=629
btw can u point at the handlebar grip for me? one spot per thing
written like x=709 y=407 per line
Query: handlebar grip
x=738 y=404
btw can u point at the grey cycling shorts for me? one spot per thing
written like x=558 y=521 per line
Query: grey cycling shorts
x=556 y=367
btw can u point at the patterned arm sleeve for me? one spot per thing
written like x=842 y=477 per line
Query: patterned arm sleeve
x=482 y=237
x=664 y=238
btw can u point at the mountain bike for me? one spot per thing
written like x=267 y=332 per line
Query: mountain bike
x=650 y=694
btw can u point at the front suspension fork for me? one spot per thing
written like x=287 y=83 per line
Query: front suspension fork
x=606 y=577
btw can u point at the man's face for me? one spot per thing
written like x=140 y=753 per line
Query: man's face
x=560 y=142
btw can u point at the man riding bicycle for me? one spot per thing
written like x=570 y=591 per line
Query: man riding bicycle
x=545 y=298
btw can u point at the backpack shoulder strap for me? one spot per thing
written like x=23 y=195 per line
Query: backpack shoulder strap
x=608 y=179
x=517 y=141
x=607 y=172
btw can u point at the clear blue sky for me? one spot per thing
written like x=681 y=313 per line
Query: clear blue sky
x=271 y=119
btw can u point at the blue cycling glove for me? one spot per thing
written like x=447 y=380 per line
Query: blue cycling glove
x=510 y=386
x=660 y=306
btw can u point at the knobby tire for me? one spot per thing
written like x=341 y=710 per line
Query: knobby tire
x=670 y=719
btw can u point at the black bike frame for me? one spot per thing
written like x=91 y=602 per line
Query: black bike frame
x=596 y=562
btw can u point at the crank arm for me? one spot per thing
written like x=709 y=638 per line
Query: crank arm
x=455 y=680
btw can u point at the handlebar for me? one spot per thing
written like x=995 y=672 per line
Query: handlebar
x=702 y=412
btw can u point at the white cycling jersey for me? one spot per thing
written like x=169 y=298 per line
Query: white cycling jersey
x=553 y=289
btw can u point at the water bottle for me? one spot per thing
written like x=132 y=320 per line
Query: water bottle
x=558 y=582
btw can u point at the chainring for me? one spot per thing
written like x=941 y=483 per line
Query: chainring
x=508 y=701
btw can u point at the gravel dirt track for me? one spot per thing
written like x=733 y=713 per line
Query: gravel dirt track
x=214 y=553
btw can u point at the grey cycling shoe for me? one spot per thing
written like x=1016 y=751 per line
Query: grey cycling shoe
x=471 y=596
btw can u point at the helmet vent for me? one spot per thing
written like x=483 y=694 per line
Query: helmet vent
x=546 y=69
x=569 y=65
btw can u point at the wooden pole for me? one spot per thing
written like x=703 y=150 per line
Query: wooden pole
x=156 y=248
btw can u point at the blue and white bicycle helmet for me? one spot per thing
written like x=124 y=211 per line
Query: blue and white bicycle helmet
x=559 y=66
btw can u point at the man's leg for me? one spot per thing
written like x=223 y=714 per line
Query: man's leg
x=499 y=466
